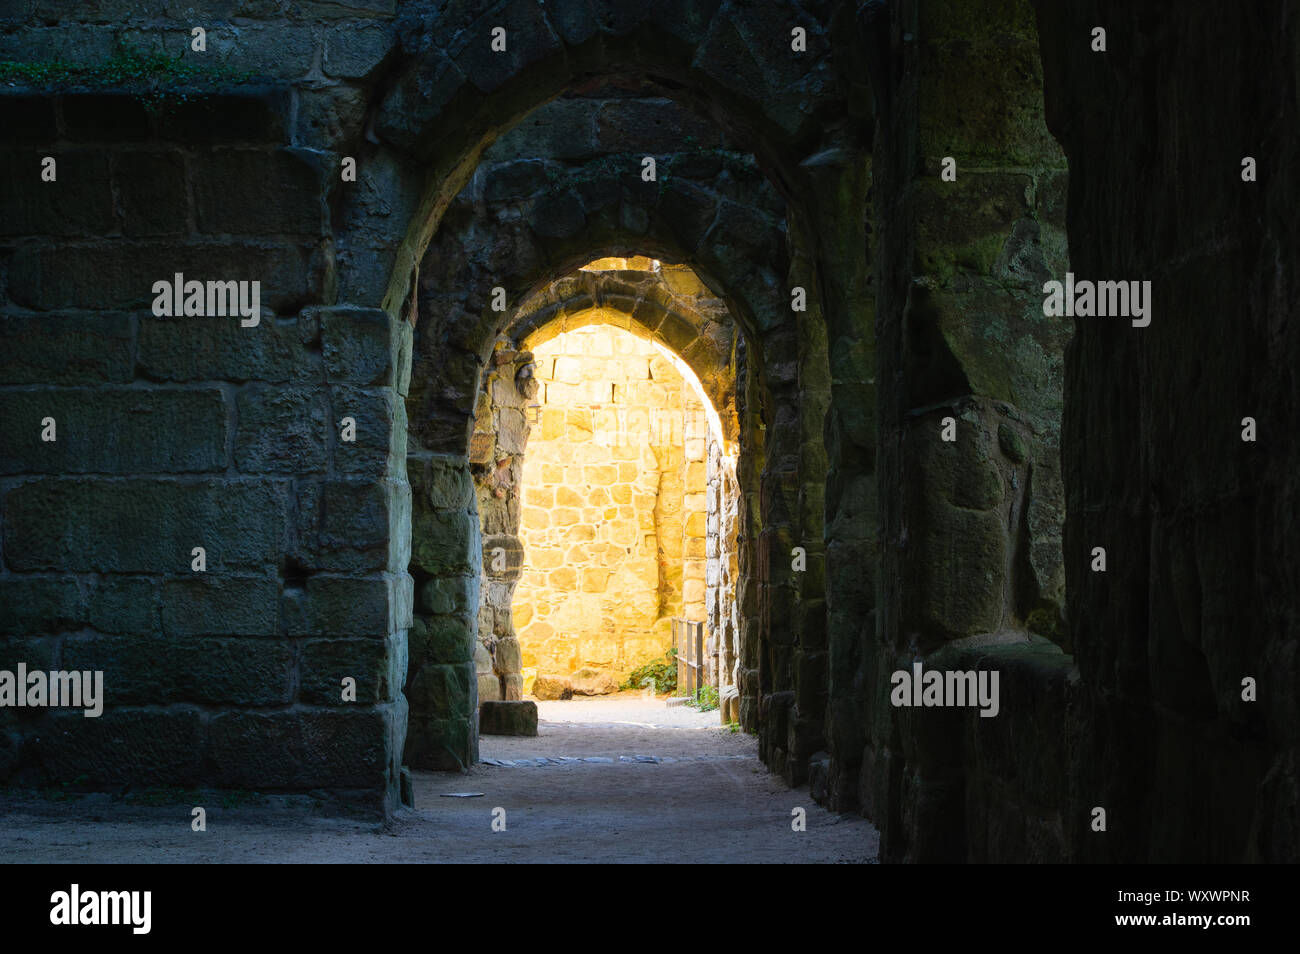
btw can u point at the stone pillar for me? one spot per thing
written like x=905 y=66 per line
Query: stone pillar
x=497 y=447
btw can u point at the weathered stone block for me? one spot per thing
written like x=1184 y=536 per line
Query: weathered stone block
x=378 y=666
x=37 y=652
x=126 y=605
x=346 y=748
x=114 y=431
x=380 y=444
x=329 y=117
x=198 y=349
x=65 y=349
x=548 y=687
x=151 y=189
x=251 y=192
x=446 y=639
x=78 y=202
x=440 y=691
x=444 y=543
x=353 y=525
x=343 y=606
x=447 y=745
x=144 y=526
x=123 y=746
x=282 y=430
x=531 y=41
x=449 y=594
x=359 y=346
x=40 y=605
x=149 y=670
x=591 y=682
x=120 y=275
x=221 y=606
x=353 y=52
x=514 y=180
x=508 y=718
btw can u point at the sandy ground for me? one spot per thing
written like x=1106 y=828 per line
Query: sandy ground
x=698 y=795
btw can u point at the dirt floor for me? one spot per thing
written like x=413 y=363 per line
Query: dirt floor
x=622 y=779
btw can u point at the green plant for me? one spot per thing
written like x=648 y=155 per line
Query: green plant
x=706 y=699
x=660 y=674
x=733 y=727
x=153 y=76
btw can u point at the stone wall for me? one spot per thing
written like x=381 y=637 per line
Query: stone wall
x=1200 y=589
x=496 y=457
x=969 y=474
x=722 y=571
x=613 y=508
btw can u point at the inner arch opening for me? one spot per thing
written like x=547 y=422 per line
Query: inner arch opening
x=608 y=497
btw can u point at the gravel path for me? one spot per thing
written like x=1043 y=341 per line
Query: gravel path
x=707 y=798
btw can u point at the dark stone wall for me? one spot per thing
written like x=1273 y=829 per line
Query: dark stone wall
x=175 y=433
x=1199 y=526
x=970 y=570
x=308 y=534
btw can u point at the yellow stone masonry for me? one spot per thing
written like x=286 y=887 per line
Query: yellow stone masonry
x=614 y=506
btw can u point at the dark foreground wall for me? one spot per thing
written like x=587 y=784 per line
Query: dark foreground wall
x=173 y=433
x=1148 y=714
x=1199 y=526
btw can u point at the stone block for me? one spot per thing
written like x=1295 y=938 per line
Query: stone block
x=354 y=525
x=378 y=666
x=514 y=180
x=366 y=607
x=121 y=274
x=354 y=51
x=200 y=349
x=548 y=687
x=441 y=691
x=65 y=349
x=208 y=604
x=255 y=192
x=444 y=543
x=78 y=202
x=359 y=346
x=444 y=640
x=449 y=594
x=282 y=430
x=561 y=129
x=114 y=431
x=152 y=670
x=592 y=682
x=141 y=526
x=329 y=117
x=126 y=605
x=380 y=445
x=514 y=717
x=38 y=605
x=123 y=746
x=343 y=748
x=151 y=189
x=446 y=745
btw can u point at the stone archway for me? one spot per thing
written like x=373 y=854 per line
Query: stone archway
x=741 y=249
x=502 y=429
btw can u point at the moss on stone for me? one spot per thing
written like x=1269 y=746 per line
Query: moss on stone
x=155 y=78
